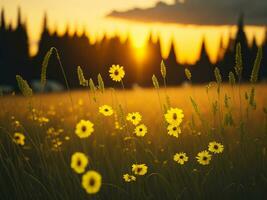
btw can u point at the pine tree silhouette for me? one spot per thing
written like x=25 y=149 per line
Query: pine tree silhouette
x=96 y=58
x=263 y=69
x=202 y=71
x=175 y=72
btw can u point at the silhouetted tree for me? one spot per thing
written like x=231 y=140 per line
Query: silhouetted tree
x=202 y=71
x=76 y=49
x=263 y=69
x=175 y=72
x=14 y=53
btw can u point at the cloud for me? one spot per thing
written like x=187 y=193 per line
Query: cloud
x=200 y=12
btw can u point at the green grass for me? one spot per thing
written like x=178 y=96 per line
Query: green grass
x=37 y=170
x=234 y=115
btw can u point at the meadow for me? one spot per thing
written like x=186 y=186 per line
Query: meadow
x=189 y=142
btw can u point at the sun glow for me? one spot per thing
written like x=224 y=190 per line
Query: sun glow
x=140 y=53
x=187 y=39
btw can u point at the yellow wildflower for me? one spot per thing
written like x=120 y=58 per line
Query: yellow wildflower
x=139 y=169
x=91 y=182
x=84 y=128
x=116 y=73
x=174 y=130
x=129 y=178
x=204 y=157
x=106 y=110
x=174 y=116
x=140 y=130
x=19 y=139
x=134 y=117
x=180 y=158
x=79 y=162
x=215 y=147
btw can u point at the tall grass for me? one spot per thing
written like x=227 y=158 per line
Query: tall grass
x=234 y=115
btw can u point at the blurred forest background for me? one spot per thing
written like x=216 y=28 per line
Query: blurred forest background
x=76 y=50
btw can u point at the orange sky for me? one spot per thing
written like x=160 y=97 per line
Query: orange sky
x=90 y=14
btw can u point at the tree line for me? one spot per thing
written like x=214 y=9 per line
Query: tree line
x=76 y=50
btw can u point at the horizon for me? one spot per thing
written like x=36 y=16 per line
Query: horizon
x=187 y=38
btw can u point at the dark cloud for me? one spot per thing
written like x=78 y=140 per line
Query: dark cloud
x=200 y=12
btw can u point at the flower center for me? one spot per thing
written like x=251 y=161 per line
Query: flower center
x=133 y=117
x=174 y=128
x=92 y=182
x=17 y=137
x=139 y=169
x=79 y=162
x=181 y=157
x=216 y=147
x=106 y=110
x=140 y=129
x=83 y=128
x=116 y=72
x=174 y=116
x=205 y=158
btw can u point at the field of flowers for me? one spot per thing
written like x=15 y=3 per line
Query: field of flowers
x=190 y=142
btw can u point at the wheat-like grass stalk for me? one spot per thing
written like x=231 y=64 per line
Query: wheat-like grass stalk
x=163 y=69
x=24 y=86
x=238 y=61
x=226 y=101
x=44 y=70
x=82 y=80
x=195 y=106
x=92 y=85
x=188 y=74
x=155 y=82
x=101 y=84
x=231 y=77
x=92 y=88
x=214 y=107
x=251 y=98
x=256 y=67
x=44 y=67
x=218 y=75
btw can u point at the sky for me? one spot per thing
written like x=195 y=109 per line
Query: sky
x=200 y=12
x=91 y=16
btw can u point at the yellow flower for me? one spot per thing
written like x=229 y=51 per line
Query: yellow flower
x=43 y=120
x=56 y=143
x=134 y=117
x=84 y=128
x=174 y=116
x=180 y=158
x=174 y=130
x=91 y=182
x=67 y=138
x=140 y=130
x=129 y=178
x=19 y=139
x=17 y=123
x=106 y=110
x=116 y=73
x=79 y=162
x=204 y=157
x=215 y=147
x=139 y=169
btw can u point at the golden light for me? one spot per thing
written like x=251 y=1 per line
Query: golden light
x=187 y=38
x=139 y=47
x=140 y=53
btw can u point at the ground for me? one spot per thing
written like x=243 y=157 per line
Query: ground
x=41 y=168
